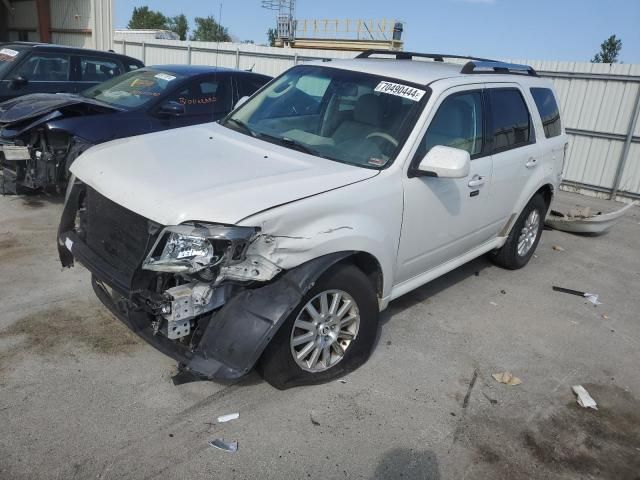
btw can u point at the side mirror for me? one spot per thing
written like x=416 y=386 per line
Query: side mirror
x=171 y=109
x=242 y=101
x=18 y=82
x=445 y=162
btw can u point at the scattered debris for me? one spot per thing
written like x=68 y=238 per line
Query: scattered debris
x=581 y=220
x=228 y=418
x=557 y=248
x=220 y=444
x=507 y=378
x=474 y=377
x=592 y=297
x=584 y=399
x=313 y=419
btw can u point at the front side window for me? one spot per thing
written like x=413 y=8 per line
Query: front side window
x=98 y=70
x=134 y=89
x=510 y=119
x=346 y=116
x=548 y=110
x=203 y=97
x=45 y=67
x=457 y=124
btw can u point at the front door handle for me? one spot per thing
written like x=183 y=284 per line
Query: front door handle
x=531 y=163
x=476 y=181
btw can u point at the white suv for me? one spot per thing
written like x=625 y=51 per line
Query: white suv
x=275 y=237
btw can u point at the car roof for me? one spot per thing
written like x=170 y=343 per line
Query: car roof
x=199 y=69
x=421 y=72
x=52 y=47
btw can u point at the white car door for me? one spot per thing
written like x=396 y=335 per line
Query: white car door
x=516 y=155
x=446 y=217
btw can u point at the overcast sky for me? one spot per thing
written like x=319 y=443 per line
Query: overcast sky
x=525 y=29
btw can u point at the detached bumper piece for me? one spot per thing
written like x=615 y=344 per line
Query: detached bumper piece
x=225 y=343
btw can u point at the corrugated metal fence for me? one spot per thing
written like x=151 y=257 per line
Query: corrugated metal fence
x=600 y=103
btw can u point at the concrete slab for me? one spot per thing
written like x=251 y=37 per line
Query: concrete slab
x=80 y=397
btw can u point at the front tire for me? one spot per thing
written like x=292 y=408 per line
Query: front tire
x=524 y=236
x=330 y=333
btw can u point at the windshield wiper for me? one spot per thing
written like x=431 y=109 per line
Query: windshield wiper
x=290 y=143
x=242 y=125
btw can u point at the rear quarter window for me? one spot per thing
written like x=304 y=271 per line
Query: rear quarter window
x=548 y=109
x=510 y=119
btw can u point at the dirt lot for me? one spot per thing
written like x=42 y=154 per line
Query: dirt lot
x=80 y=397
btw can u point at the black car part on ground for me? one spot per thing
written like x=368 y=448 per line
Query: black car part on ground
x=227 y=342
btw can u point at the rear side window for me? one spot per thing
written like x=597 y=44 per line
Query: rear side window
x=98 y=69
x=510 y=119
x=249 y=84
x=549 y=112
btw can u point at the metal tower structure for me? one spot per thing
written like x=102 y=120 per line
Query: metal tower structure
x=286 y=17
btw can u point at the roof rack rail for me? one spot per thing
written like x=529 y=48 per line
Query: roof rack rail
x=492 y=66
x=438 y=57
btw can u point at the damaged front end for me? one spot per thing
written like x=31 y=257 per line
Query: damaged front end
x=35 y=152
x=38 y=159
x=193 y=291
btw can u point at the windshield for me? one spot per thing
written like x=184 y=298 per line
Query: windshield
x=133 y=89
x=8 y=56
x=342 y=115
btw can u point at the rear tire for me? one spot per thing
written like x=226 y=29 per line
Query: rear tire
x=524 y=236
x=320 y=342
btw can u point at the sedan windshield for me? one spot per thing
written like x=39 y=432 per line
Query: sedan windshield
x=8 y=57
x=133 y=89
x=341 y=115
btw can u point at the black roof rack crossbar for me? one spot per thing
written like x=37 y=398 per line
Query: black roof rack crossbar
x=438 y=57
x=492 y=66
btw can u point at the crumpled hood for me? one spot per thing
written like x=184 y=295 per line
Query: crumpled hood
x=32 y=106
x=207 y=173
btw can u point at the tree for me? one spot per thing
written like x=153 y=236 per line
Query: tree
x=609 y=51
x=179 y=25
x=272 y=35
x=142 y=17
x=208 y=30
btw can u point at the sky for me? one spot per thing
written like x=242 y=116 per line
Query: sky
x=518 y=29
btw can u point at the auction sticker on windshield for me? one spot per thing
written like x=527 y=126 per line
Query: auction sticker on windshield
x=400 y=90
x=8 y=52
x=164 y=76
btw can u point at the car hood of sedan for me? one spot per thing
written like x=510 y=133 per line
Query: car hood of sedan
x=207 y=173
x=31 y=106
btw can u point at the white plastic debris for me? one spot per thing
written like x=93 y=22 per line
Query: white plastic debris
x=220 y=444
x=593 y=298
x=228 y=418
x=584 y=399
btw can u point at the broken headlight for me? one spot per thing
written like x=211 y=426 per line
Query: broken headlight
x=197 y=247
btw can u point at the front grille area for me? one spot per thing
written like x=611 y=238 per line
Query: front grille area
x=119 y=236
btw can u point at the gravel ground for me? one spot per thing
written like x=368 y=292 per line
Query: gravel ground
x=81 y=397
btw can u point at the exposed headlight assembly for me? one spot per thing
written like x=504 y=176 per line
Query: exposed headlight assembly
x=214 y=250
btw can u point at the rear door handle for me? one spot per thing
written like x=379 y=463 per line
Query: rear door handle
x=476 y=181
x=531 y=163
